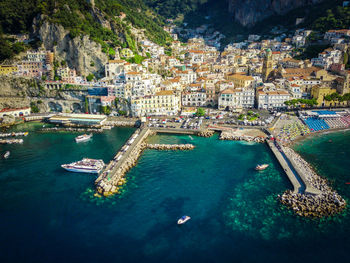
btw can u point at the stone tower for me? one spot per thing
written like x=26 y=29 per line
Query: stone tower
x=267 y=65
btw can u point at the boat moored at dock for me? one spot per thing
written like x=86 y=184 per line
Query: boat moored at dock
x=85 y=166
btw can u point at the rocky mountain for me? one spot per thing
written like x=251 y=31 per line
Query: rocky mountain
x=84 y=33
x=81 y=53
x=249 y=12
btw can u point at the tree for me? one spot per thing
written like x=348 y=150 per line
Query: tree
x=122 y=112
x=34 y=108
x=346 y=58
x=200 y=112
x=106 y=110
x=86 y=105
x=90 y=77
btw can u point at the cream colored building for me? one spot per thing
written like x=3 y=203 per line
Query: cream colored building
x=241 y=81
x=164 y=102
x=272 y=99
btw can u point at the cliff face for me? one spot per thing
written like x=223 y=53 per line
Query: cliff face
x=20 y=92
x=249 y=12
x=81 y=53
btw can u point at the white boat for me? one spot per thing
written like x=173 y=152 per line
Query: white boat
x=6 y=154
x=85 y=166
x=261 y=167
x=183 y=220
x=83 y=138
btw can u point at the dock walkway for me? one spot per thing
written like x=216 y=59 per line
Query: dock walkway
x=297 y=183
x=295 y=175
x=109 y=179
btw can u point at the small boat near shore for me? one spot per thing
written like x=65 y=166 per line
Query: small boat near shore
x=6 y=154
x=183 y=220
x=83 y=138
x=261 y=167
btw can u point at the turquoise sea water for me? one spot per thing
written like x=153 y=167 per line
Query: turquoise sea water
x=50 y=215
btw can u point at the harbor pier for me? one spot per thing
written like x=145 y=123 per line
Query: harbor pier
x=112 y=176
x=311 y=196
x=295 y=174
x=109 y=180
x=298 y=185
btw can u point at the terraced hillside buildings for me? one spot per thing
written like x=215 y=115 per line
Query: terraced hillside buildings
x=253 y=74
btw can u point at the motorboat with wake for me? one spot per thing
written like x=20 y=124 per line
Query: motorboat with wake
x=6 y=154
x=183 y=220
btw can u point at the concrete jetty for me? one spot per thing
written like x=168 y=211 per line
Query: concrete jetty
x=112 y=176
x=297 y=183
x=295 y=175
x=312 y=196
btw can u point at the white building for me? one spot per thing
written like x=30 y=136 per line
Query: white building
x=194 y=98
x=272 y=99
x=236 y=98
x=114 y=68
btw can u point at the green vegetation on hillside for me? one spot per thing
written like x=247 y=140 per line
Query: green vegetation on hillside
x=80 y=18
x=173 y=8
x=312 y=51
x=9 y=48
x=336 y=18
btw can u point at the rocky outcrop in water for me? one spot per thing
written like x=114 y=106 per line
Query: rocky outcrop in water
x=249 y=12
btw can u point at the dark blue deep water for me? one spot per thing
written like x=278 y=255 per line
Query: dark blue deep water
x=50 y=215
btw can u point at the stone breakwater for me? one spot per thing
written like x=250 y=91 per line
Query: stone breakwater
x=13 y=134
x=120 y=123
x=233 y=137
x=205 y=134
x=112 y=178
x=60 y=129
x=327 y=203
x=11 y=141
x=182 y=147
x=108 y=184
